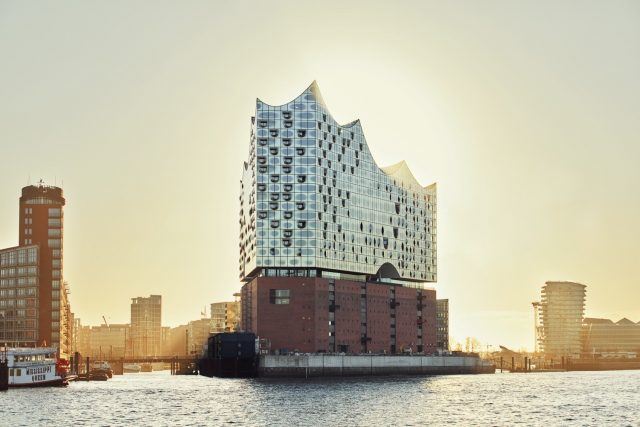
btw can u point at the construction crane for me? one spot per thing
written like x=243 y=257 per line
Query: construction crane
x=105 y=321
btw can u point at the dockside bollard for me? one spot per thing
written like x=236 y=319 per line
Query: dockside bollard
x=4 y=375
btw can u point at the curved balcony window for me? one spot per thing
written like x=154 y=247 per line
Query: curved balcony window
x=286 y=114
x=300 y=151
x=302 y=133
x=288 y=187
x=288 y=123
x=275 y=178
x=262 y=123
x=302 y=224
x=262 y=160
x=273 y=206
x=286 y=242
x=275 y=197
x=286 y=197
x=262 y=187
x=287 y=233
x=302 y=178
x=273 y=132
x=262 y=214
x=286 y=169
x=262 y=141
x=273 y=151
x=288 y=160
x=286 y=142
x=300 y=206
x=262 y=169
x=287 y=214
x=275 y=223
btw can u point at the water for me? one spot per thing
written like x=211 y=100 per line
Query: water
x=573 y=398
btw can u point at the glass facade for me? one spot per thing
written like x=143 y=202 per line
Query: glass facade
x=19 y=296
x=312 y=197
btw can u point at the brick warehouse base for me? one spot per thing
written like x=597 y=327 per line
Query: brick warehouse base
x=309 y=314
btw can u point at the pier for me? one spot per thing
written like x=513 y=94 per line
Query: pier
x=320 y=365
x=179 y=365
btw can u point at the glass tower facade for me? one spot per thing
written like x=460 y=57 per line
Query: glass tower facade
x=314 y=202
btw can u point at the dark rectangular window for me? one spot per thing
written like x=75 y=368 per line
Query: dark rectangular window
x=279 y=296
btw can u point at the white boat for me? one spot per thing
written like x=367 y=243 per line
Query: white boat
x=131 y=368
x=34 y=367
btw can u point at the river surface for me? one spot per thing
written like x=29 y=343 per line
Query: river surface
x=573 y=398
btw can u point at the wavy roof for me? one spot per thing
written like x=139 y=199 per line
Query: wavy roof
x=399 y=171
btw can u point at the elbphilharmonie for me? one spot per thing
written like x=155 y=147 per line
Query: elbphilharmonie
x=335 y=251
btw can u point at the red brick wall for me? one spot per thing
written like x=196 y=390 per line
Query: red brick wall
x=303 y=324
x=39 y=236
x=287 y=326
x=348 y=315
x=429 y=320
x=378 y=315
x=406 y=319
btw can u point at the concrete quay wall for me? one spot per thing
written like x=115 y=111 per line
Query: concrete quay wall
x=365 y=365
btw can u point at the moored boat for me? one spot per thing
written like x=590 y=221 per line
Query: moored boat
x=131 y=368
x=102 y=367
x=35 y=367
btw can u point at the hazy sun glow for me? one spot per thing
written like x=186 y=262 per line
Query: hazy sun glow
x=527 y=117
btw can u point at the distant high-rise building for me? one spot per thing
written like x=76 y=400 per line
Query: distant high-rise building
x=41 y=223
x=560 y=314
x=108 y=340
x=330 y=239
x=225 y=316
x=442 y=323
x=198 y=332
x=41 y=296
x=146 y=326
x=176 y=341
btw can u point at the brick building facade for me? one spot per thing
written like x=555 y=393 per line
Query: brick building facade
x=318 y=314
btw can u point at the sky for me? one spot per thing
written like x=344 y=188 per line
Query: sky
x=526 y=114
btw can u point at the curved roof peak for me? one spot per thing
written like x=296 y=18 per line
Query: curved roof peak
x=401 y=172
x=314 y=91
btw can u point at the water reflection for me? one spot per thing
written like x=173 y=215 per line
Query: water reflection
x=582 y=398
